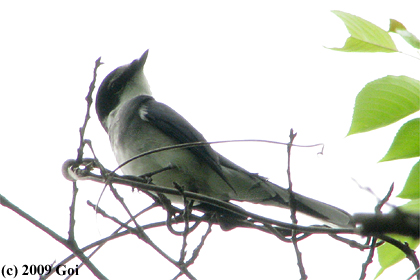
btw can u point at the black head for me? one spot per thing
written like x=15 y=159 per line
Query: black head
x=112 y=87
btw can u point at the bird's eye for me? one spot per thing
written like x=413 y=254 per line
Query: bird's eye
x=112 y=86
x=115 y=85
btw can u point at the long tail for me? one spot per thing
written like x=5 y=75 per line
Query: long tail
x=254 y=188
x=308 y=206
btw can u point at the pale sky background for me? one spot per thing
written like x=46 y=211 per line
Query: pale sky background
x=235 y=70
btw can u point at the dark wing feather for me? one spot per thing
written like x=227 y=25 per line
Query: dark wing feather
x=174 y=125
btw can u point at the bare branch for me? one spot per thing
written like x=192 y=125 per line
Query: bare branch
x=89 y=102
x=369 y=258
x=292 y=206
x=205 y=143
x=417 y=272
x=410 y=253
x=137 y=183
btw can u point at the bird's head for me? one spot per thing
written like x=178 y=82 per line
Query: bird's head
x=121 y=85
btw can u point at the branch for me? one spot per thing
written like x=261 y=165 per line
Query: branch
x=205 y=143
x=410 y=253
x=369 y=259
x=99 y=243
x=89 y=102
x=397 y=222
x=67 y=243
x=141 y=234
x=72 y=168
x=292 y=206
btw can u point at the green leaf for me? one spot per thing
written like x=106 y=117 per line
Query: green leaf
x=388 y=254
x=406 y=142
x=399 y=28
x=365 y=36
x=413 y=206
x=411 y=188
x=385 y=101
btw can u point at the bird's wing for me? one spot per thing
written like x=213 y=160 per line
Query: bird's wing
x=175 y=126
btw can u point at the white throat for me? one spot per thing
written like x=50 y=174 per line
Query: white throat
x=137 y=86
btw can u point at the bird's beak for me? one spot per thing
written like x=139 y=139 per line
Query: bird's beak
x=137 y=65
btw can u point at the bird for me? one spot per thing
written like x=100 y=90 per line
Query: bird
x=136 y=123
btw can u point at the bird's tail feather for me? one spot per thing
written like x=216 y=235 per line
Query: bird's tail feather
x=256 y=189
x=308 y=206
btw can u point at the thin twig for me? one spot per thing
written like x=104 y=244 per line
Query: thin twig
x=6 y=203
x=72 y=212
x=350 y=242
x=410 y=253
x=141 y=234
x=186 y=232
x=378 y=211
x=89 y=102
x=100 y=243
x=205 y=143
x=292 y=206
x=417 y=272
x=279 y=234
x=138 y=184
x=369 y=258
